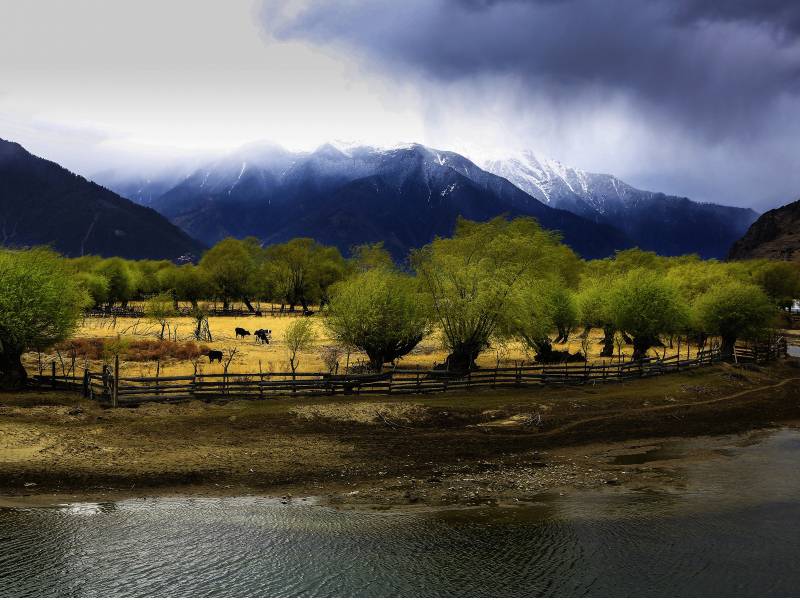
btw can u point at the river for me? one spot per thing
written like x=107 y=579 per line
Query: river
x=726 y=526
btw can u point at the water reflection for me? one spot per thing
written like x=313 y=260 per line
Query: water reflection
x=731 y=531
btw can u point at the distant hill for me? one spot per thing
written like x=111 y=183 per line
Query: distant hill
x=669 y=225
x=339 y=195
x=41 y=203
x=776 y=234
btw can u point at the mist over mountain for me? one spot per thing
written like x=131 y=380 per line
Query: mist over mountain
x=669 y=225
x=42 y=203
x=346 y=195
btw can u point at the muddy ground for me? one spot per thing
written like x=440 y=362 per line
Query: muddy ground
x=492 y=446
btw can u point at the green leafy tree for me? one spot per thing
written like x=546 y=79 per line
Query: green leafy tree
x=565 y=312
x=298 y=337
x=159 y=309
x=380 y=312
x=780 y=280
x=371 y=256
x=40 y=304
x=302 y=271
x=645 y=305
x=594 y=309
x=470 y=280
x=734 y=310
x=230 y=266
x=121 y=281
x=95 y=285
x=530 y=317
x=190 y=283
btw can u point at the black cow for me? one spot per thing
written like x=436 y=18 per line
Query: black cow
x=214 y=355
x=241 y=333
x=262 y=335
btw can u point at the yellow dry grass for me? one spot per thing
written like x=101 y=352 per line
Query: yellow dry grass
x=251 y=356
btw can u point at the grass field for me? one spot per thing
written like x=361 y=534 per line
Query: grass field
x=253 y=357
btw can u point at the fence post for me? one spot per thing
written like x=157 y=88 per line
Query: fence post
x=115 y=383
x=53 y=374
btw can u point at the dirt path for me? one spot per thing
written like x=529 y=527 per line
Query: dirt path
x=443 y=448
x=652 y=409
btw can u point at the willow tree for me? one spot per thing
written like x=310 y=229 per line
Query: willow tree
x=230 y=266
x=692 y=279
x=594 y=309
x=302 y=271
x=380 y=312
x=120 y=278
x=734 y=310
x=780 y=280
x=533 y=314
x=470 y=279
x=645 y=305
x=40 y=304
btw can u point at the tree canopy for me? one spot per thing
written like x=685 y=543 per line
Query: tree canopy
x=470 y=279
x=380 y=312
x=40 y=304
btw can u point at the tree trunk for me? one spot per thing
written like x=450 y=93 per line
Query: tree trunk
x=728 y=343
x=462 y=359
x=608 y=341
x=375 y=362
x=641 y=344
x=12 y=374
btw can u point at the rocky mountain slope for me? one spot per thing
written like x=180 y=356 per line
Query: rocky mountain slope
x=346 y=195
x=668 y=225
x=776 y=234
x=42 y=203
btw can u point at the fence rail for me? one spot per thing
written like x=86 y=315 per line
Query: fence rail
x=110 y=388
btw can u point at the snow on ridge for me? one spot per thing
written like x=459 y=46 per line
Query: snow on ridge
x=235 y=183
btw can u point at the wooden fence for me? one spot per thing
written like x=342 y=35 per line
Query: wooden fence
x=109 y=387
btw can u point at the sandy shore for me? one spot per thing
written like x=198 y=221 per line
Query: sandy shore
x=495 y=447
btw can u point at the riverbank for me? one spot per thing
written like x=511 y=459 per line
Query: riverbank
x=496 y=447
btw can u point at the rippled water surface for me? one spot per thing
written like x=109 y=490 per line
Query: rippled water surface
x=731 y=527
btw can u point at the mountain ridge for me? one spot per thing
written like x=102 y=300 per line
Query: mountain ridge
x=685 y=226
x=775 y=234
x=42 y=203
x=404 y=196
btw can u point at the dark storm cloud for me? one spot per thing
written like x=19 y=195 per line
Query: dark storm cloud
x=716 y=68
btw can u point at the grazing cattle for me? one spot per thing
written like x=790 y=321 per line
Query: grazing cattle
x=241 y=333
x=263 y=335
x=214 y=355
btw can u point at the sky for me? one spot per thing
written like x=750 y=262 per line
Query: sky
x=691 y=97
